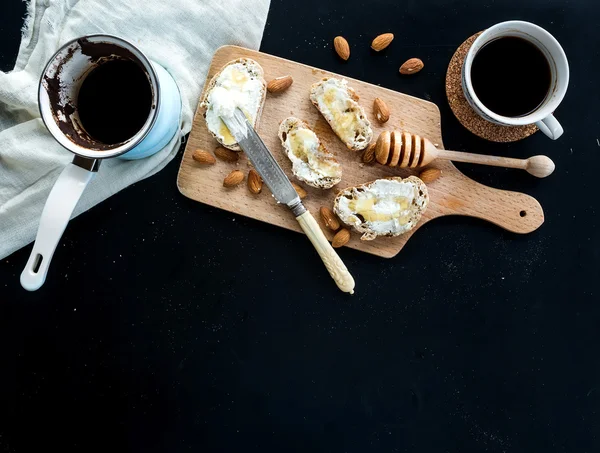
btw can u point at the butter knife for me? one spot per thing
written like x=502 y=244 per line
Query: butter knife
x=281 y=188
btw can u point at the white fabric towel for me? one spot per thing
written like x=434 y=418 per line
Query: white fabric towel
x=180 y=35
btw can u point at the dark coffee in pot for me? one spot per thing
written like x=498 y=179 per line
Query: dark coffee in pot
x=511 y=76
x=114 y=101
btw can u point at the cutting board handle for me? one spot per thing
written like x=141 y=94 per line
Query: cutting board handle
x=513 y=211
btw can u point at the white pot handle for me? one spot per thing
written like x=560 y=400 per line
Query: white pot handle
x=551 y=127
x=56 y=214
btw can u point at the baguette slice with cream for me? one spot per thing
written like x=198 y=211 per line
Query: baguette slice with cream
x=338 y=103
x=385 y=207
x=311 y=162
x=240 y=83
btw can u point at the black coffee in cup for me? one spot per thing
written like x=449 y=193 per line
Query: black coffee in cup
x=114 y=101
x=511 y=76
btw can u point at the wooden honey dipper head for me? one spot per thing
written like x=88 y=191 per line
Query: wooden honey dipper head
x=405 y=150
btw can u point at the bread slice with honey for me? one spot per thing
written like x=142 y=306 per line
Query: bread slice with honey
x=240 y=83
x=338 y=103
x=385 y=207
x=311 y=161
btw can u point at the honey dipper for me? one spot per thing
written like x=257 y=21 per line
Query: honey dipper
x=405 y=150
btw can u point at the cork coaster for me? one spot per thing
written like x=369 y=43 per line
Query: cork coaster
x=465 y=113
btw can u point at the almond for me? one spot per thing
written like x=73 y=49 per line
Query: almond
x=280 y=84
x=203 y=157
x=381 y=110
x=369 y=154
x=233 y=178
x=430 y=174
x=341 y=238
x=226 y=154
x=382 y=41
x=255 y=182
x=329 y=218
x=411 y=66
x=341 y=47
x=301 y=192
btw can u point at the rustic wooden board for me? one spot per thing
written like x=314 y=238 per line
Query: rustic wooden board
x=452 y=194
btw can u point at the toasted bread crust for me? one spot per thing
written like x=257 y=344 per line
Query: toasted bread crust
x=320 y=182
x=253 y=68
x=419 y=205
x=364 y=132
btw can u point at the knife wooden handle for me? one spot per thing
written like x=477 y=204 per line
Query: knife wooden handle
x=336 y=267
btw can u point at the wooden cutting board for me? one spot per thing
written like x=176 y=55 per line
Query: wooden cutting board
x=452 y=194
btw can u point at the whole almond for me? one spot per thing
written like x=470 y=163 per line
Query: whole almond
x=382 y=41
x=329 y=218
x=342 y=47
x=381 y=110
x=369 y=154
x=341 y=238
x=301 y=192
x=280 y=84
x=226 y=154
x=255 y=182
x=430 y=174
x=233 y=178
x=411 y=66
x=203 y=157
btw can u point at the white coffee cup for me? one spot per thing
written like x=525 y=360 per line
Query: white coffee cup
x=559 y=68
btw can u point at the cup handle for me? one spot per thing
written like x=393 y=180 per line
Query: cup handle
x=56 y=214
x=550 y=126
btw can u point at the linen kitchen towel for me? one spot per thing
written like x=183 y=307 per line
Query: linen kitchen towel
x=180 y=35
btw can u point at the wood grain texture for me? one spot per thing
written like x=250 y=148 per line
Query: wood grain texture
x=452 y=194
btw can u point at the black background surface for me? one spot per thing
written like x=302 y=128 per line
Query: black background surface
x=166 y=325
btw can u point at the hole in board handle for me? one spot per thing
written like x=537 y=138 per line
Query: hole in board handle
x=37 y=263
x=523 y=213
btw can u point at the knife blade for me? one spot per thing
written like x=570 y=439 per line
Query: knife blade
x=283 y=191
x=262 y=159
